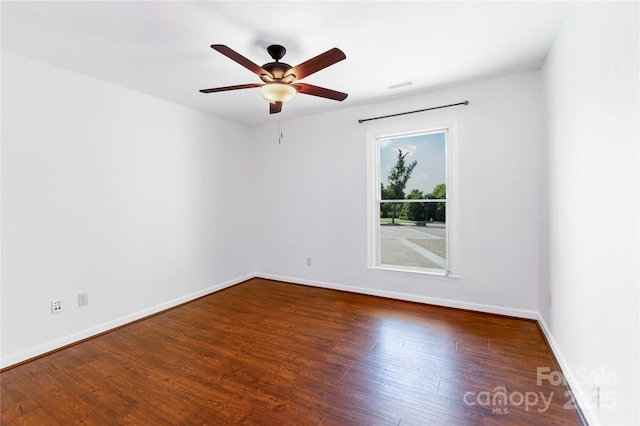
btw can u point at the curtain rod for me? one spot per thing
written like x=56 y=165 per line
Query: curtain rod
x=412 y=112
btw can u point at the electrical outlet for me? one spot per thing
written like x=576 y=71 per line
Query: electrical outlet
x=308 y=261
x=83 y=299
x=56 y=306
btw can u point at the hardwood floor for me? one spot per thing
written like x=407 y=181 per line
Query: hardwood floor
x=270 y=353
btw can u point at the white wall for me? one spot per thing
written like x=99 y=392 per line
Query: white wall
x=312 y=192
x=590 y=81
x=139 y=202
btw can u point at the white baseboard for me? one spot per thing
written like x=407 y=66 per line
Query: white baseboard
x=581 y=399
x=110 y=325
x=491 y=309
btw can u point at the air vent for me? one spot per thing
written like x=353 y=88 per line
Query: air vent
x=398 y=85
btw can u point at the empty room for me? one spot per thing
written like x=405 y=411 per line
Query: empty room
x=319 y=213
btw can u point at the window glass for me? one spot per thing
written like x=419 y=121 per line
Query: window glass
x=412 y=202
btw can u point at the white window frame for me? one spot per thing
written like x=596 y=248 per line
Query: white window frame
x=404 y=129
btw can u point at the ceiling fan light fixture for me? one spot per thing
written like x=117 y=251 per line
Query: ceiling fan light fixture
x=278 y=92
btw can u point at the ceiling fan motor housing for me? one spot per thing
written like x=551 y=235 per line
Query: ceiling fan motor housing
x=277 y=69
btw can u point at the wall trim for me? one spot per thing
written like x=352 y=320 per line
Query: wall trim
x=581 y=399
x=449 y=303
x=91 y=332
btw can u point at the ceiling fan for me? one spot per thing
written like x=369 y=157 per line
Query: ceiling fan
x=279 y=79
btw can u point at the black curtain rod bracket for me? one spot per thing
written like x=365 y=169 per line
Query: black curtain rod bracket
x=412 y=112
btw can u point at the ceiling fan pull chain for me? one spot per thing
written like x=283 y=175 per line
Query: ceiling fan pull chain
x=279 y=130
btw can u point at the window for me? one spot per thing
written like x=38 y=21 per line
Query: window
x=409 y=217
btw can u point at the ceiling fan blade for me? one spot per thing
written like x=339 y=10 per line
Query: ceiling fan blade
x=309 y=89
x=317 y=63
x=235 y=56
x=275 y=107
x=226 y=88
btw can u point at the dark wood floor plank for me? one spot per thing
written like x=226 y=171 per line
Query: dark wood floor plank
x=15 y=397
x=265 y=352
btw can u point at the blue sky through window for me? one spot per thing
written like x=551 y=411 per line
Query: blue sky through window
x=427 y=149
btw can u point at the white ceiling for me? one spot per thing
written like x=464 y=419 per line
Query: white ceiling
x=161 y=48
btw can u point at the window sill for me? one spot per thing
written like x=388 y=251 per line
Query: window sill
x=414 y=273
